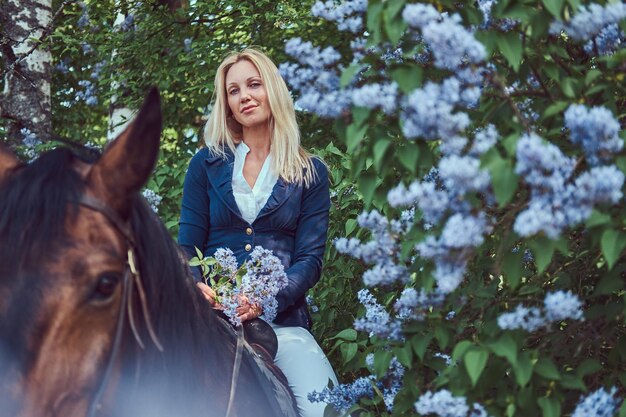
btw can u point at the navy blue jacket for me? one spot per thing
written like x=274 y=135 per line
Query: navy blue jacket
x=293 y=224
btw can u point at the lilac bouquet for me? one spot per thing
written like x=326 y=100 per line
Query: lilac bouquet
x=258 y=279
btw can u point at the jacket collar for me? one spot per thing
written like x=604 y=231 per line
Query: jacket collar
x=220 y=174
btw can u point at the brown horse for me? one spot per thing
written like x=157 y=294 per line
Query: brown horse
x=98 y=314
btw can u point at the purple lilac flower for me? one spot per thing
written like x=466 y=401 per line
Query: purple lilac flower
x=344 y=396
x=265 y=277
x=591 y=20
x=595 y=130
x=373 y=96
x=88 y=95
x=609 y=40
x=187 y=44
x=600 y=403
x=86 y=47
x=62 y=67
x=428 y=112
x=128 y=24
x=83 y=20
x=413 y=304
x=558 y=306
x=444 y=404
x=529 y=319
x=95 y=73
x=484 y=139
x=153 y=199
x=450 y=43
x=462 y=174
x=348 y=14
x=30 y=142
x=558 y=201
x=377 y=321
x=226 y=260
x=562 y=305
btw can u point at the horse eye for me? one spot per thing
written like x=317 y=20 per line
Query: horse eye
x=105 y=286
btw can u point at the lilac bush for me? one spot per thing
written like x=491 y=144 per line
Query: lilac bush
x=486 y=141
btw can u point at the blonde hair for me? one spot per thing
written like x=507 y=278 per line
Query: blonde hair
x=289 y=160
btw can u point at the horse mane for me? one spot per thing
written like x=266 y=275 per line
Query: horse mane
x=33 y=213
x=192 y=336
x=33 y=207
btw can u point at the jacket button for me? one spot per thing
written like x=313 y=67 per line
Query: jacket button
x=248 y=247
x=248 y=231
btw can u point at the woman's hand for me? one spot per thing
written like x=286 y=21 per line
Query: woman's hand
x=247 y=311
x=209 y=294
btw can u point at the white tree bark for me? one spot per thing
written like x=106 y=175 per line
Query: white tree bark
x=25 y=101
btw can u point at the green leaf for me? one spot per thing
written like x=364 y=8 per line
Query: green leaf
x=568 y=86
x=550 y=406
x=547 y=369
x=523 y=369
x=572 y=381
x=459 y=350
x=394 y=25
x=543 y=249
x=510 y=44
x=475 y=361
x=348 y=74
x=408 y=155
x=505 y=347
x=503 y=179
x=380 y=149
x=622 y=410
x=404 y=355
x=555 y=109
x=346 y=334
x=420 y=343
x=354 y=135
x=348 y=351
x=597 y=219
x=512 y=267
x=608 y=285
x=350 y=226
x=592 y=75
x=382 y=359
x=408 y=77
x=612 y=244
x=554 y=7
x=442 y=336
x=588 y=366
x=367 y=183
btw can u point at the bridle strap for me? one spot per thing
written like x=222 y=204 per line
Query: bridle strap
x=130 y=280
x=95 y=204
x=95 y=405
x=236 y=367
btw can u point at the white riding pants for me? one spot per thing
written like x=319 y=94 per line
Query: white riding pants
x=305 y=365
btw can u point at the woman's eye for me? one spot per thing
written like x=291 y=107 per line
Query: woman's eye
x=233 y=91
x=255 y=85
x=106 y=285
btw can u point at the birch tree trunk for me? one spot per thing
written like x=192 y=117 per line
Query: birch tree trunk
x=25 y=101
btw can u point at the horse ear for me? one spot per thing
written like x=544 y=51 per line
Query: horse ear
x=129 y=160
x=8 y=161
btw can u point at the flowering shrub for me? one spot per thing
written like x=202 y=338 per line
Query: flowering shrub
x=486 y=144
x=258 y=279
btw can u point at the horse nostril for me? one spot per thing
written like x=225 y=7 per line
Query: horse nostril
x=106 y=285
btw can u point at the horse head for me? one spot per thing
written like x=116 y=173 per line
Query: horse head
x=62 y=268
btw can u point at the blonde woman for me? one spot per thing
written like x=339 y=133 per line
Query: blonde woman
x=254 y=185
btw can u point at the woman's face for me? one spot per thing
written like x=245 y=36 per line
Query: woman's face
x=247 y=97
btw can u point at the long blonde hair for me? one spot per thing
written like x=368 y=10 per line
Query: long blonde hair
x=289 y=160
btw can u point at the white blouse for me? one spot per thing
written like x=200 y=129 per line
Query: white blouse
x=251 y=200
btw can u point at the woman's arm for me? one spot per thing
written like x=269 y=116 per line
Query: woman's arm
x=194 y=212
x=310 y=240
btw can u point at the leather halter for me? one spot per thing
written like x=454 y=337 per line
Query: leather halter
x=130 y=280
